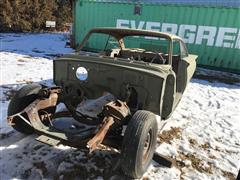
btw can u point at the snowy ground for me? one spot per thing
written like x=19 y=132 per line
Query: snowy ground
x=202 y=136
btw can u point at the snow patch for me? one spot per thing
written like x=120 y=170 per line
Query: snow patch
x=208 y=116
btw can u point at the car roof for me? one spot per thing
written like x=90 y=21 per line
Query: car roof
x=123 y=32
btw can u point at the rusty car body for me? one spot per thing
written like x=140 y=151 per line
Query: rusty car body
x=144 y=80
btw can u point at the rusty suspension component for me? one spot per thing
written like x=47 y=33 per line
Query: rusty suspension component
x=114 y=112
x=50 y=99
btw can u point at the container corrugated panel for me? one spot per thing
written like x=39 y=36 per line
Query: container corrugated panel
x=213 y=33
x=214 y=3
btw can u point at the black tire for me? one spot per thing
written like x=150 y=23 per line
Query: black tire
x=26 y=95
x=139 y=144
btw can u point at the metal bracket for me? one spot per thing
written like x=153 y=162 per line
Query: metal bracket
x=99 y=137
x=114 y=112
x=33 y=108
x=48 y=140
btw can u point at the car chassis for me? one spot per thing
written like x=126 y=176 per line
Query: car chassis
x=142 y=87
x=114 y=112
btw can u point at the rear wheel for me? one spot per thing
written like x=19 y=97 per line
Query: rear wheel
x=139 y=144
x=25 y=96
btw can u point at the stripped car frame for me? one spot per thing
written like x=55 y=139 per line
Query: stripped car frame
x=140 y=79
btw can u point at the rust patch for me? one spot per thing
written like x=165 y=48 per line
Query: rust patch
x=113 y=111
x=99 y=137
x=33 y=108
x=168 y=136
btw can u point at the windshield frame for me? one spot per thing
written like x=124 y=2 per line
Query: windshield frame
x=119 y=34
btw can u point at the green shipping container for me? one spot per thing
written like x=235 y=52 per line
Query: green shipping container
x=213 y=33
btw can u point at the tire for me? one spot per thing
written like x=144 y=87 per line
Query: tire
x=139 y=144
x=26 y=95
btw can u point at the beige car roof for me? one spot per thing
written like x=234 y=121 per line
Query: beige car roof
x=122 y=32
